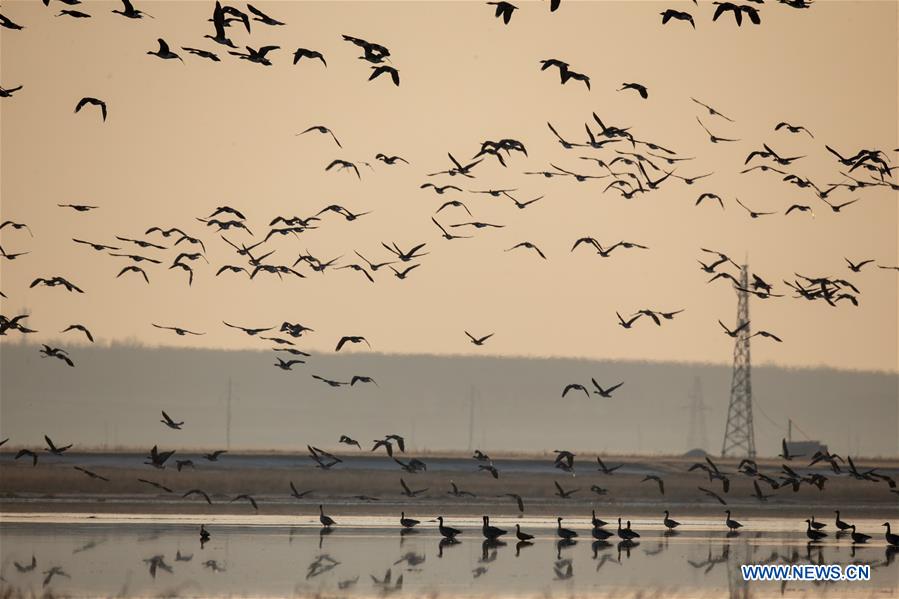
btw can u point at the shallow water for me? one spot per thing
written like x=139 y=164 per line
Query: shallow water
x=286 y=556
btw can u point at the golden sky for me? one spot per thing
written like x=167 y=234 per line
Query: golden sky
x=182 y=139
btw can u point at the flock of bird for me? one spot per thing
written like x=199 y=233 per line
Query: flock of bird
x=491 y=537
x=618 y=159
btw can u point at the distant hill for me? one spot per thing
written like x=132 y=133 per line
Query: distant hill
x=115 y=393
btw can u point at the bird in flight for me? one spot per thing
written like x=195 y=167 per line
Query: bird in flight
x=753 y=213
x=129 y=11
x=678 y=16
x=857 y=266
x=444 y=232
x=287 y=364
x=712 y=111
x=164 y=52
x=627 y=323
x=405 y=256
x=16 y=226
x=8 y=23
x=202 y=53
x=528 y=245
x=257 y=56
x=389 y=160
x=478 y=340
x=54 y=449
x=329 y=382
x=78 y=207
x=248 y=331
x=55 y=352
x=9 y=91
x=712 y=137
x=565 y=72
x=178 y=330
x=167 y=420
x=575 y=387
x=504 y=10
x=792 y=128
x=262 y=17
x=738 y=10
x=607 y=393
x=343 y=165
x=736 y=331
x=640 y=89
x=351 y=339
x=713 y=495
x=93 y=102
x=379 y=70
x=136 y=269
x=79 y=327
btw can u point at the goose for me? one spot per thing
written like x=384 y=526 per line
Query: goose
x=491 y=533
x=605 y=469
x=575 y=386
x=204 y=534
x=597 y=522
x=351 y=339
x=79 y=327
x=811 y=533
x=786 y=450
x=247 y=498
x=657 y=479
x=490 y=468
x=601 y=534
x=380 y=70
x=298 y=494
x=858 y=537
x=93 y=102
x=758 y=492
x=167 y=420
x=504 y=10
x=564 y=533
x=157 y=485
x=518 y=500
x=54 y=449
x=478 y=340
x=447 y=532
x=199 y=492
x=164 y=51
x=841 y=526
x=407 y=522
x=522 y=536
x=678 y=15
x=562 y=492
x=202 y=53
x=214 y=456
x=733 y=524
x=262 y=17
x=257 y=56
x=27 y=453
x=892 y=539
x=669 y=523
x=626 y=534
x=327 y=521
x=96 y=476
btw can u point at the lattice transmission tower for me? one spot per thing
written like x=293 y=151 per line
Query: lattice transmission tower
x=739 y=435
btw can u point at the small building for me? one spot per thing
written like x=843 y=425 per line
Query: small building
x=805 y=449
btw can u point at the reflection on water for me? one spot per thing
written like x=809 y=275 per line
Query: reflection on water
x=129 y=556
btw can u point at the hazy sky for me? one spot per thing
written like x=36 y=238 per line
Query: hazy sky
x=182 y=139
